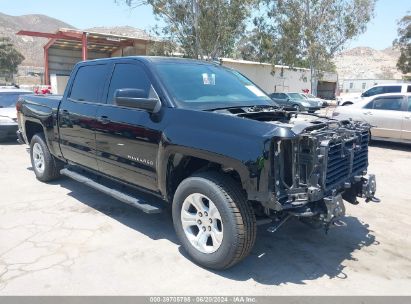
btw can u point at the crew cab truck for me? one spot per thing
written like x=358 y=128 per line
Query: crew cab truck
x=203 y=139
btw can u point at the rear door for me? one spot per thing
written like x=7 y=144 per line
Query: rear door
x=127 y=139
x=406 y=123
x=385 y=114
x=77 y=114
x=392 y=89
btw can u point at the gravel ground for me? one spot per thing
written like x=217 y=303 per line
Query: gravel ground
x=66 y=239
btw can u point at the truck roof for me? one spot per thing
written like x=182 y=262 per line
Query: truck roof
x=392 y=84
x=153 y=59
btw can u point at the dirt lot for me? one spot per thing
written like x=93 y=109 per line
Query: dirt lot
x=64 y=238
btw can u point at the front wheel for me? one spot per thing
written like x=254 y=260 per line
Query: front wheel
x=213 y=220
x=45 y=166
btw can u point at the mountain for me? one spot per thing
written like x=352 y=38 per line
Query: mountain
x=30 y=47
x=368 y=63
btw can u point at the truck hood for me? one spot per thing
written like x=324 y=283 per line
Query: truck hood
x=8 y=112
x=297 y=123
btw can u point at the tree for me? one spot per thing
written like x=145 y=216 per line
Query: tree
x=403 y=42
x=310 y=32
x=201 y=28
x=10 y=58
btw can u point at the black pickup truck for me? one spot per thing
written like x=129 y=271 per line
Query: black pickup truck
x=205 y=140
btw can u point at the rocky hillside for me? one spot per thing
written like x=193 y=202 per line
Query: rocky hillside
x=30 y=47
x=121 y=30
x=368 y=63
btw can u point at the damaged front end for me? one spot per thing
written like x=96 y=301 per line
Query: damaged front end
x=315 y=171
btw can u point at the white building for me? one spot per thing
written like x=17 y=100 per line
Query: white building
x=281 y=78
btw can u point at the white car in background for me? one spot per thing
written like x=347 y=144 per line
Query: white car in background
x=389 y=114
x=375 y=90
x=8 y=113
x=321 y=102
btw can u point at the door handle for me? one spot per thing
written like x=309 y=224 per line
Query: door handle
x=367 y=113
x=65 y=112
x=104 y=120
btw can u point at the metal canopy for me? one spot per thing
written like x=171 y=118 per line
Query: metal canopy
x=84 y=41
x=73 y=39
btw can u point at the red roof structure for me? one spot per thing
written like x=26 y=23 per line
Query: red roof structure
x=68 y=46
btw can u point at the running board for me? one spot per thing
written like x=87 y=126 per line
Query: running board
x=128 y=199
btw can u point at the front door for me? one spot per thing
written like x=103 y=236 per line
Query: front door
x=385 y=115
x=406 y=123
x=127 y=139
x=77 y=114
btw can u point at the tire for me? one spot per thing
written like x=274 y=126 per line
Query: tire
x=45 y=166
x=236 y=229
x=297 y=108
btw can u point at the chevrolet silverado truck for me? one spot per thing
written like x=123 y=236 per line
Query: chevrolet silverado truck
x=203 y=139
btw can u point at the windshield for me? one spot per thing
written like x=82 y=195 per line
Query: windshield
x=8 y=100
x=295 y=96
x=205 y=87
x=311 y=96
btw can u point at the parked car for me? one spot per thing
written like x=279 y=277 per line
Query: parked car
x=375 y=90
x=8 y=113
x=296 y=101
x=202 y=138
x=321 y=102
x=389 y=114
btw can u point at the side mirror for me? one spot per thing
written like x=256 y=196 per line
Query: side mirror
x=136 y=98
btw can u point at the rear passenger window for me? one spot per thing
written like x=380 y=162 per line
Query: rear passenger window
x=409 y=89
x=388 y=103
x=129 y=76
x=392 y=89
x=88 y=83
x=409 y=104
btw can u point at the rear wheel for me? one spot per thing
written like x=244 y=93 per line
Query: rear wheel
x=45 y=166
x=213 y=220
x=298 y=108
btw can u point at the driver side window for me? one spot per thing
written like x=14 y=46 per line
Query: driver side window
x=388 y=103
x=129 y=76
x=373 y=91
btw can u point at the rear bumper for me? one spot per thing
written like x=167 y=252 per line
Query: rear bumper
x=8 y=131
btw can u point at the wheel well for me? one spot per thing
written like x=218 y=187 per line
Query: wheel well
x=31 y=129
x=346 y=103
x=180 y=167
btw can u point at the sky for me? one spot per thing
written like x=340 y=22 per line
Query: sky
x=381 y=31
